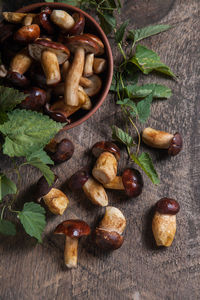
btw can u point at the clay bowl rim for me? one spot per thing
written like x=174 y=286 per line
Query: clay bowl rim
x=108 y=51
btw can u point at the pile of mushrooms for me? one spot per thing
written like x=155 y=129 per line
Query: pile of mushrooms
x=54 y=58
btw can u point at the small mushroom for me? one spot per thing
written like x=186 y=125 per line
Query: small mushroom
x=28 y=19
x=96 y=40
x=99 y=65
x=79 y=25
x=62 y=19
x=55 y=200
x=79 y=45
x=21 y=62
x=73 y=229
x=51 y=54
x=94 y=87
x=44 y=20
x=35 y=100
x=163 y=140
x=108 y=235
x=94 y=191
x=105 y=169
x=88 y=68
x=164 y=221
x=13 y=17
x=27 y=34
x=60 y=151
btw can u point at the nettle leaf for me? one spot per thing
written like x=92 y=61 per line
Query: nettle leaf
x=32 y=218
x=107 y=22
x=120 y=32
x=158 y=91
x=142 y=33
x=27 y=132
x=3 y=117
x=130 y=104
x=9 y=98
x=147 y=61
x=7 y=186
x=7 y=228
x=121 y=136
x=42 y=155
x=46 y=171
x=144 y=161
x=144 y=108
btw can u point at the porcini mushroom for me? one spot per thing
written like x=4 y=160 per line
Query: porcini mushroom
x=163 y=140
x=13 y=17
x=88 y=68
x=79 y=24
x=131 y=182
x=79 y=45
x=35 y=100
x=44 y=20
x=99 y=65
x=55 y=200
x=60 y=151
x=28 y=19
x=73 y=230
x=21 y=62
x=94 y=87
x=108 y=235
x=51 y=54
x=62 y=19
x=97 y=40
x=94 y=191
x=164 y=221
x=27 y=34
x=105 y=169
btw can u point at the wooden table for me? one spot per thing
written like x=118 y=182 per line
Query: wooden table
x=139 y=270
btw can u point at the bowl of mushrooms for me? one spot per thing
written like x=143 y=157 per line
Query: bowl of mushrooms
x=60 y=57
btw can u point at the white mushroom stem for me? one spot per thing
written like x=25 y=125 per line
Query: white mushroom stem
x=50 y=66
x=56 y=201
x=3 y=71
x=28 y=20
x=113 y=220
x=83 y=97
x=84 y=82
x=14 y=17
x=116 y=184
x=99 y=65
x=21 y=62
x=95 y=192
x=71 y=252
x=105 y=169
x=62 y=19
x=73 y=78
x=156 y=138
x=88 y=68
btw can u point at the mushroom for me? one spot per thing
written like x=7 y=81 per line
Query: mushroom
x=94 y=87
x=79 y=45
x=3 y=71
x=60 y=151
x=21 y=62
x=13 y=17
x=44 y=20
x=28 y=19
x=55 y=200
x=131 y=182
x=163 y=140
x=73 y=229
x=27 y=34
x=164 y=221
x=105 y=169
x=96 y=40
x=108 y=235
x=99 y=65
x=35 y=100
x=62 y=19
x=88 y=68
x=51 y=54
x=79 y=24
x=94 y=191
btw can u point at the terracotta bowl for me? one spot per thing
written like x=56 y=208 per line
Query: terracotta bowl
x=91 y=26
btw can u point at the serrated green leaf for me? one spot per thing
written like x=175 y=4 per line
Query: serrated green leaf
x=9 y=98
x=120 y=32
x=144 y=108
x=128 y=103
x=121 y=136
x=46 y=171
x=42 y=155
x=142 y=33
x=32 y=218
x=158 y=91
x=144 y=161
x=27 y=132
x=7 y=228
x=7 y=186
x=147 y=61
x=3 y=117
x=107 y=22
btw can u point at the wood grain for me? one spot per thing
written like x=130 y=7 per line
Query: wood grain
x=139 y=270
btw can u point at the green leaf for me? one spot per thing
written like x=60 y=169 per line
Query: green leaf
x=107 y=22
x=147 y=61
x=3 y=117
x=46 y=171
x=7 y=228
x=120 y=32
x=42 y=155
x=158 y=91
x=32 y=218
x=121 y=136
x=142 y=33
x=7 y=186
x=9 y=98
x=144 y=161
x=144 y=108
x=27 y=132
x=70 y=2
x=130 y=104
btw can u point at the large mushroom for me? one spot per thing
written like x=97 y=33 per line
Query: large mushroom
x=73 y=230
x=27 y=34
x=51 y=55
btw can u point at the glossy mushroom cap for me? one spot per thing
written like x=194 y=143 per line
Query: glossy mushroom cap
x=63 y=151
x=167 y=206
x=73 y=228
x=105 y=146
x=78 y=179
x=108 y=240
x=18 y=80
x=176 y=144
x=81 y=41
x=35 y=100
x=57 y=113
x=133 y=182
x=43 y=188
x=27 y=34
x=97 y=40
x=36 y=49
x=79 y=25
x=44 y=20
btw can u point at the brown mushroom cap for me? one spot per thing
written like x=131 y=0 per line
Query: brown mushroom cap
x=36 y=49
x=57 y=114
x=78 y=179
x=79 y=24
x=133 y=182
x=44 y=19
x=35 y=100
x=97 y=40
x=43 y=187
x=81 y=41
x=108 y=240
x=18 y=80
x=27 y=34
x=73 y=228
x=105 y=146
x=175 y=145
x=167 y=206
